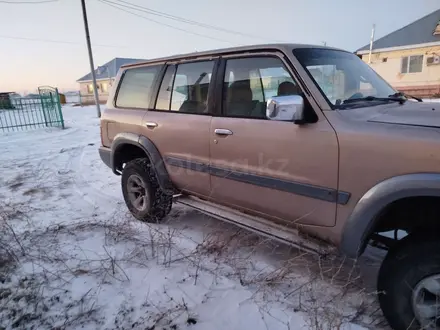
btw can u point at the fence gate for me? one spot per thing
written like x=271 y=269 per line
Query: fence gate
x=32 y=111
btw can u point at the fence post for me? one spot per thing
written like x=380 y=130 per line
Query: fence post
x=60 y=112
x=42 y=108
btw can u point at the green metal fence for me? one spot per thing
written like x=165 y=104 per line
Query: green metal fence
x=33 y=111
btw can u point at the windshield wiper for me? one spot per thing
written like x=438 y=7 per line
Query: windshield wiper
x=391 y=98
x=400 y=94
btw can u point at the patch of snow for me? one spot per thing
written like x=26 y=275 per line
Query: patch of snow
x=431 y=100
x=77 y=259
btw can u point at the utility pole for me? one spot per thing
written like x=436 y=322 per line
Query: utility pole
x=89 y=47
x=371 y=43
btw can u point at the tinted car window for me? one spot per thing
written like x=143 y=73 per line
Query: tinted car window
x=136 y=87
x=250 y=82
x=180 y=92
x=164 y=97
x=190 y=87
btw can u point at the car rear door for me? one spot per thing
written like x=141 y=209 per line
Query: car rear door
x=179 y=122
x=278 y=169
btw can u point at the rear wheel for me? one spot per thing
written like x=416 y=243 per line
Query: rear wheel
x=409 y=283
x=142 y=194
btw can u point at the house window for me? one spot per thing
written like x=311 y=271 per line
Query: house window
x=104 y=88
x=411 y=64
x=90 y=88
x=437 y=29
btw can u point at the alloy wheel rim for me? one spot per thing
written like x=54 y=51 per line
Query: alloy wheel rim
x=137 y=192
x=426 y=302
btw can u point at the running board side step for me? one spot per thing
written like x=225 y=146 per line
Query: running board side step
x=256 y=224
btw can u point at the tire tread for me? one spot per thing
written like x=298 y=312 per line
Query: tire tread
x=161 y=202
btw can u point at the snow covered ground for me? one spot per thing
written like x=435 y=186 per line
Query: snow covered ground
x=72 y=258
x=431 y=100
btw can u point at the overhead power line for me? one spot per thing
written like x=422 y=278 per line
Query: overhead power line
x=56 y=41
x=187 y=21
x=121 y=7
x=27 y=2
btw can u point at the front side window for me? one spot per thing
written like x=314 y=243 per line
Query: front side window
x=185 y=88
x=90 y=88
x=250 y=82
x=411 y=64
x=136 y=87
x=343 y=77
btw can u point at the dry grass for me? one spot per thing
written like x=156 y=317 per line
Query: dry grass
x=321 y=287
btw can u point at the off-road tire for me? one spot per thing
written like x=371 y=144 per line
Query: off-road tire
x=412 y=259
x=159 y=202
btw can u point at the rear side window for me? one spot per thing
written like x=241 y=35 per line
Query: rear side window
x=136 y=87
x=186 y=89
x=164 y=97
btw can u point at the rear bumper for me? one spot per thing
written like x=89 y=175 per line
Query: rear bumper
x=105 y=154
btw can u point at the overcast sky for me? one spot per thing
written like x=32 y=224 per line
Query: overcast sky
x=26 y=64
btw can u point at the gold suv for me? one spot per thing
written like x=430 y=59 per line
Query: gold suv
x=291 y=141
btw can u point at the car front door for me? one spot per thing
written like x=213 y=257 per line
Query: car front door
x=278 y=169
x=179 y=124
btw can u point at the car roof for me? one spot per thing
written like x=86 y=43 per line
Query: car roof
x=286 y=48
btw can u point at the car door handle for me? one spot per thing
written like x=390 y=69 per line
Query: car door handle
x=151 y=124
x=222 y=131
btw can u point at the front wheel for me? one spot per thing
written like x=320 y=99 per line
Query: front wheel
x=142 y=193
x=409 y=283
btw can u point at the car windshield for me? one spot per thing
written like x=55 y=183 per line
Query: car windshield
x=344 y=78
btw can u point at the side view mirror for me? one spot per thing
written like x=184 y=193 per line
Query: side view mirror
x=286 y=108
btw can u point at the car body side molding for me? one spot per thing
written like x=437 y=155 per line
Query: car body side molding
x=297 y=188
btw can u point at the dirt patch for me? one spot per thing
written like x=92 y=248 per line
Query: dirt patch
x=31 y=191
x=44 y=192
x=15 y=186
x=65 y=196
x=36 y=190
x=17 y=182
x=64 y=184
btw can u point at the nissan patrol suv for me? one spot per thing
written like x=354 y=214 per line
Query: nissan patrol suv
x=302 y=143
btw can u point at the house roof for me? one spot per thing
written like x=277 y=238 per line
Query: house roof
x=418 y=32
x=112 y=66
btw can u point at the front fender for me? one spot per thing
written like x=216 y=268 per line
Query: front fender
x=364 y=217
